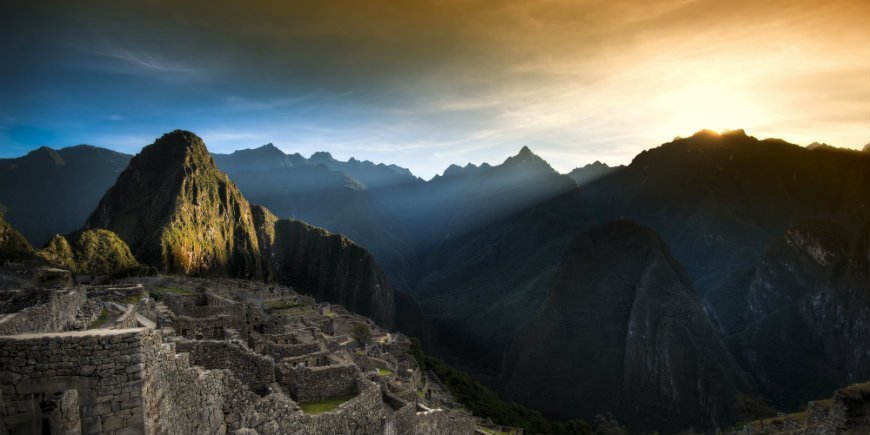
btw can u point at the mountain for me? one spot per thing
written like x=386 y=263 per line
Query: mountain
x=52 y=191
x=263 y=158
x=866 y=148
x=591 y=172
x=719 y=199
x=328 y=266
x=179 y=213
x=799 y=322
x=623 y=323
x=308 y=190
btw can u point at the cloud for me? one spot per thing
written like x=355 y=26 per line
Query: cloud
x=424 y=82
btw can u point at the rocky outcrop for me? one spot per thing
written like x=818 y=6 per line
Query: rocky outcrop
x=328 y=266
x=92 y=252
x=179 y=213
x=622 y=330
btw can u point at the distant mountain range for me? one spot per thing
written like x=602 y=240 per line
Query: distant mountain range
x=742 y=283
x=51 y=191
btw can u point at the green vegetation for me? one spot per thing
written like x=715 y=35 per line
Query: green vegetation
x=326 y=405
x=175 y=290
x=360 y=333
x=133 y=299
x=100 y=321
x=13 y=245
x=484 y=402
x=384 y=372
x=93 y=252
x=281 y=304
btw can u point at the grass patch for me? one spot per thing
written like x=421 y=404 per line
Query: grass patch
x=101 y=320
x=281 y=304
x=420 y=394
x=296 y=311
x=321 y=406
x=385 y=372
x=133 y=299
x=175 y=290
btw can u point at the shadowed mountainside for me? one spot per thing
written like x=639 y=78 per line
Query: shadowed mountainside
x=798 y=321
x=623 y=323
x=50 y=192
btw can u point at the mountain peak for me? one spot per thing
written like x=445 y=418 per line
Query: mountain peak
x=529 y=160
x=47 y=154
x=163 y=202
x=177 y=146
x=525 y=152
x=867 y=148
x=321 y=157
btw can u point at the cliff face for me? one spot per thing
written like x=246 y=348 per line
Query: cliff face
x=623 y=331
x=327 y=266
x=178 y=212
x=803 y=327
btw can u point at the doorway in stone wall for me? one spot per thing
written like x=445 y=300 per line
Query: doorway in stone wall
x=59 y=413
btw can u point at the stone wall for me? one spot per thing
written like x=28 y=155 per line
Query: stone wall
x=255 y=370
x=121 y=293
x=213 y=328
x=128 y=319
x=55 y=315
x=208 y=305
x=283 y=348
x=179 y=398
x=103 y=367
x=318 y=383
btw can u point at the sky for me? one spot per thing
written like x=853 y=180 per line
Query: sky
x=427 y=83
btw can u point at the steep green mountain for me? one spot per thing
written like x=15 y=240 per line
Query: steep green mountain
x=591 y=172
x=92 y=252
x=52 y=191
x=179 y=213
x=623 y=330
x=13 y=246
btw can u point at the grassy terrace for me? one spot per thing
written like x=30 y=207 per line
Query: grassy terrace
x=175 y=290
x=385 y=372
x=281 y=304
x=321 y=406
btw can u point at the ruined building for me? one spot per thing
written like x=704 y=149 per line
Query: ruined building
x=181 y=355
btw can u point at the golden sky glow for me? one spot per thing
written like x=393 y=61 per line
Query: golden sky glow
x=428 y=83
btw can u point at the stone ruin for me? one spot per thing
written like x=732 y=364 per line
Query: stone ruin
x=182 y=355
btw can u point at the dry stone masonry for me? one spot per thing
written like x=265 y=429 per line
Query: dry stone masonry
x=182 y=355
